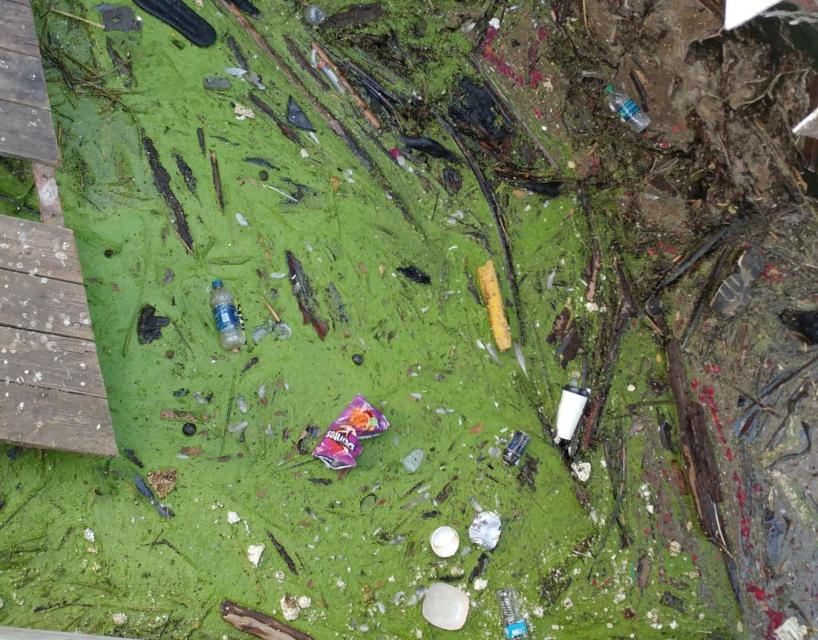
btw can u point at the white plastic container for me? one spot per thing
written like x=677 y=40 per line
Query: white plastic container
x=445 y=606
x=444 y=541
x=572 y=404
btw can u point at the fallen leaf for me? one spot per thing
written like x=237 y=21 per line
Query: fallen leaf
x=192 y=451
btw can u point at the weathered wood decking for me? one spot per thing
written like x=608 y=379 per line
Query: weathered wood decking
x=26 y=129
x=51 y=390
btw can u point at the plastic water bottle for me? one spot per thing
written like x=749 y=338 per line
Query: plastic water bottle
x=629 y=112
x=227 y=317
x=514 y=624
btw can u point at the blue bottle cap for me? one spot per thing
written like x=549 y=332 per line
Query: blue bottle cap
x=218 y=284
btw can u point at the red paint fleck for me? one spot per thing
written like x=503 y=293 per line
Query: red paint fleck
x=694 y=384
x=773 y=273
x=496 y=59
x=728 y=453
x=776 y=618
x=536 y=78
x=694 y=558
x=538 y=114
x=757 y=487
x=395 y=153
x=712 y=368
x=664 y=145
x=707 y=397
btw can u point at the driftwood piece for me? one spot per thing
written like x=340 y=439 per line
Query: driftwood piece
x=697 y=450
x=258 y=624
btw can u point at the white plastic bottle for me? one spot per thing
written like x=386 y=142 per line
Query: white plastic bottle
x=227 y=317
x=629 y=112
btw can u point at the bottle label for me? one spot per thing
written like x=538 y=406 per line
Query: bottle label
x=629 y=110
x=226 y=317
x=517 y=629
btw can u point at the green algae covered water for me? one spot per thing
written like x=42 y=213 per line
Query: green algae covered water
x=81 y=549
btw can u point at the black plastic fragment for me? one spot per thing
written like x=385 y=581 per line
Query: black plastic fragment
x=804 y=323
x=414 y=274
x=178 y=15
x=118 y=17
x=429 y=147
x=149 y=326
x=297 y=117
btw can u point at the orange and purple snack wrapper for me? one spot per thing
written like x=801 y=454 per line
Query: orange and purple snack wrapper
x=341 y=444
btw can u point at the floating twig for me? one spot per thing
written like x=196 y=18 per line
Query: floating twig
x=283 y=553
x=370 y=117
x=217 y=179
x=285 y=129
x=78 y=18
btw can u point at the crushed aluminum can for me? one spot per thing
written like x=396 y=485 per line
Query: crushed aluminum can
x=485 y=529
x=516 y=448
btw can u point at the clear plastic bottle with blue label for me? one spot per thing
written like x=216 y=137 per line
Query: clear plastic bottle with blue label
x=514 y=624
x=628 y=111
x=227 y=317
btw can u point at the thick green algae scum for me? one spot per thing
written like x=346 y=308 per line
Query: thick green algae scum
x=361 y=540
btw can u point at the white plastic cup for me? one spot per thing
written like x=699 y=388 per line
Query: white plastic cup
x=572 y=404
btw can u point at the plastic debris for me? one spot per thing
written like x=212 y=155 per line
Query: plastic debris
x=254 y=553
x=485 y=530
x=242 y=220
x=516 y=447
x=233 y=517
x=340 y=446
x=791 y=629
x=297 y=117
x=314 y=15
x=628 y=111
x=243 y=112
x=214 y=83
x=445 y=606
x=490 y=288
x=582 y=470
x=569 y=412
x=444 y=541
x=412 y=461
x=514 y=625
x=237 y=427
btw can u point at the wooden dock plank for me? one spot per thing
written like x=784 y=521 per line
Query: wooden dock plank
x=49 y=361
x=17 y=31
x=21 y=79
x=52 y=419
x=44 y=305
x=43 y=250
x=27 y=133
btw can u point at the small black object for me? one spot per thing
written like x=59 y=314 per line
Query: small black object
x=131 y=455
x=358 y=359
x=215 y=83
x=263 y=175
x=551 y=188
x=189 y=428
x=429 y=147
x=804 y=323
x=117 y=17
x=516 y=448
x=109 y=253
x=248 y=7
x=14 y=452
x=2 y=501
x=452 y=180
x=149 y=326
x=178 y=15
x=297 y=117
x=414 y=274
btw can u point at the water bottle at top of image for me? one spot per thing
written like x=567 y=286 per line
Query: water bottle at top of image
x=514 y=624
x=629 y=112
x=227 y=317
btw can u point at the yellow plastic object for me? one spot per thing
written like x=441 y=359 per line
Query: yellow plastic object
x=490 y=288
